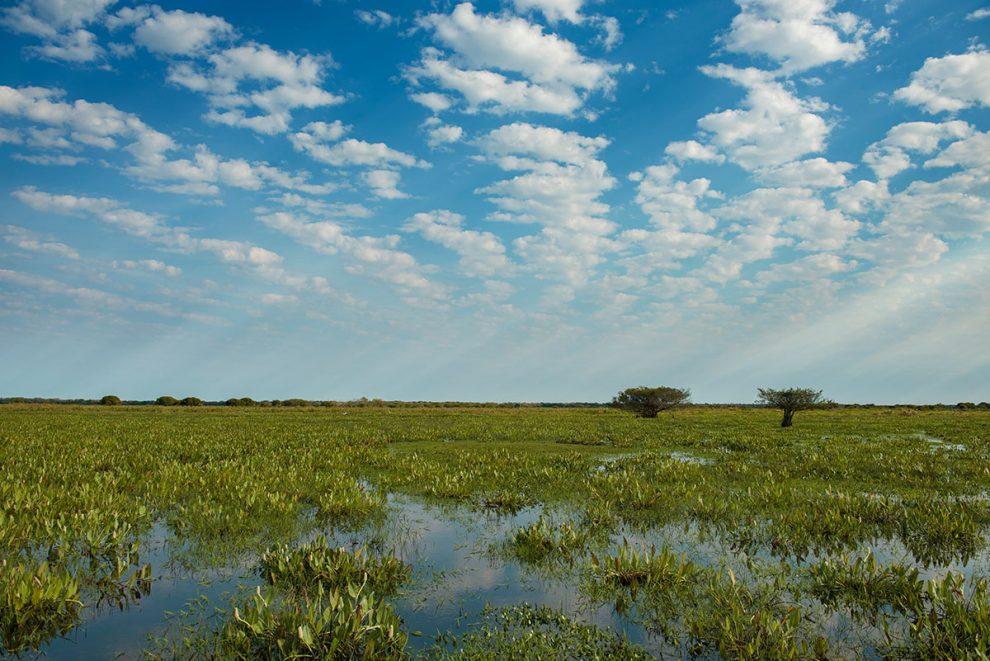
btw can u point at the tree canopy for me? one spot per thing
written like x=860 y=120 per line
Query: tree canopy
x=790 y=400
x=648 y=402
x=110 y=400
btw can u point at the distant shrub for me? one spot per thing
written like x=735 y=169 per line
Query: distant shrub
x=110 y=400
x=295 y=402
x=648 y=402
x=242 y=401
x=191 y=401
x=167 y=400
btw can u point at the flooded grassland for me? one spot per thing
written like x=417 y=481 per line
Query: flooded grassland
x=144 y=532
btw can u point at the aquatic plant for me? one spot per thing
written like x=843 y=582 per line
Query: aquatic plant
x=644 y=568
x=316 y=566
x=339 y=624
x=864 y=586
x=37 y=603
x=530 y=632
x=953 y=623
x=737 y=622
x=541 y=540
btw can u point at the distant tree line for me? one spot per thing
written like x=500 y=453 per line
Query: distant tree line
x=168 y=400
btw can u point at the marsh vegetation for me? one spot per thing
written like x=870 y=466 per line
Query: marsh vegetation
x=163 y=532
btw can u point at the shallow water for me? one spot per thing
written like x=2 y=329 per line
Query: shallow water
x=459 y=567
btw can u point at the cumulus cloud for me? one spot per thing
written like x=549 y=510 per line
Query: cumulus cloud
x=768 y=218
x=970 y=152
x=548 y=73
x=255 y=76
x=559 y=188
x=173 y=32
x=444 y=134
x=91 y=298
x=553 y=10
x=25 y=239
x=481 y=254
x=773 y=126
x=433 y=100
x=60 y=26
x=892 y=155
x=81 y=125
x=809 y=173
x=378 y=18
x=692 y=150
x=950 y=83
x=153 y=228
x=798 y=34
x=384 y=184
x=316 y=138
x=376 y=257
x=152 y=265
x=673 y=204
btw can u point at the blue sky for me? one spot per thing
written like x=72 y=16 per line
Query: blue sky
x=523 y=200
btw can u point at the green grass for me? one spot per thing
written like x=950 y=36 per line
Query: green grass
x=82 y=487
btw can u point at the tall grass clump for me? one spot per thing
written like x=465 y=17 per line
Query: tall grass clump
x=339 y=624
x=38 y=603
x=308 y=568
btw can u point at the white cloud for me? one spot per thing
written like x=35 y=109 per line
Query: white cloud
x=773 y=127
x=261 y=261
x=812 y=268
x=978 y=14
x=611 y=35
x=862 y=196
x=384 y=184
x=950 y=83
x=59 y=24
x=376 y=257
x=80 y=124
x=559 y=189
x=900 y=250
x=433 y=100
x=957 y=206
x=279 y=299
x=377 y=18
x=809 y=173
x=692 y=150
x=891 y=155
x=153 y=265
x=970 y=152
x=313 y=139
x=553 y=10
x=445 y=134
x=553 y=76
x=673 y=204
x=257 y=76
x=482 y=253
x=767 y=218
x=174 y=32
x=799 y=34
x=25 y=239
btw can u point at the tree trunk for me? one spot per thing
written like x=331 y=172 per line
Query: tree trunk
x=788 y=419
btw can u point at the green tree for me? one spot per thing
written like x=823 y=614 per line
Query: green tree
x=167 y=400
x=648 y=402
x=110 y=400
x=790 y=400
x=191 y=401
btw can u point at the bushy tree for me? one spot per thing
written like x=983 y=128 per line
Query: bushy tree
x=790 y=400
x=243 y=401
x=191 y=401
x=167 y=400
x=648 y=402
x=110 y=400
